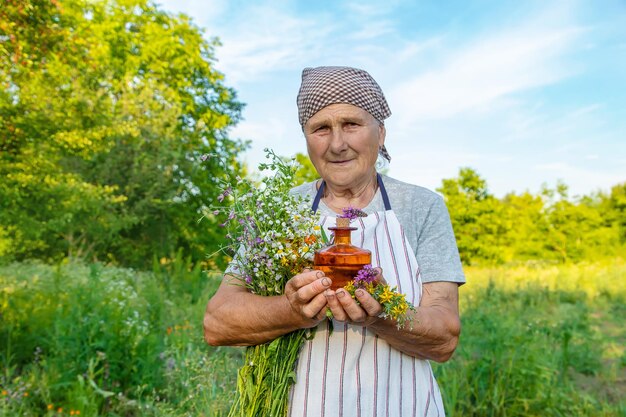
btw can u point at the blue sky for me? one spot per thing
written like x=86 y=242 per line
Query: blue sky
x=525 y=93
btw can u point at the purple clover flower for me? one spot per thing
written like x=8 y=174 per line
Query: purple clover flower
x=226 y=193
x=366 y=275
x=352 y=213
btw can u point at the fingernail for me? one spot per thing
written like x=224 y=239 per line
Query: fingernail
x=340 y=293
x=326 y=282
x=319 y=274
x=359 y=293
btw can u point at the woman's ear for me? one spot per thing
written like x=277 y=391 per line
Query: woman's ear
x=382 y=132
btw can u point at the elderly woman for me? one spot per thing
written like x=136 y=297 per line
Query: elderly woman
x=366 y=365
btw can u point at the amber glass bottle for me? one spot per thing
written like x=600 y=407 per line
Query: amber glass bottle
x=341 y=261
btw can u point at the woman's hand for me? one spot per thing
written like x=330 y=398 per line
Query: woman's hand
x=234 y=316
x=434 y=332
x=345 y=308
x=305 y=294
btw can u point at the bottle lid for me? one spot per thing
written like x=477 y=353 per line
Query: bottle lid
x=343 y=222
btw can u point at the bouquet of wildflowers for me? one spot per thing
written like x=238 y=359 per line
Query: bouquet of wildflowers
x=275 y=234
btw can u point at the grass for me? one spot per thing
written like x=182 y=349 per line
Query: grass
x=540 y=341
x=90 y=340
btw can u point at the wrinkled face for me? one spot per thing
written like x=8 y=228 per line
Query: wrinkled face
x=343 y=142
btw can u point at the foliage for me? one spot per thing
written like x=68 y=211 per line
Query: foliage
x=103 y=340
x=546 y=227
x=616 y=209
x=105 y=108
x=306 y=171
x=478 y=218
x=558 y=350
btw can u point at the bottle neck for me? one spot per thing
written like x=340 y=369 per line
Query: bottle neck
x=342 y=235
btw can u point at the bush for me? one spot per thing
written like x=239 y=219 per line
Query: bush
x=104 y=340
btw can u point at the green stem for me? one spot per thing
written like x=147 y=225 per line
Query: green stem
x=266 y=377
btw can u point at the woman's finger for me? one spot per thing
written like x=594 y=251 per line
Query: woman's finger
x=350 y=306
x=315 y=307
x=335 y=306
x=368 y=303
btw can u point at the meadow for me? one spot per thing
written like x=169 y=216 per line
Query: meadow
x=96 y=167
x=94 y=340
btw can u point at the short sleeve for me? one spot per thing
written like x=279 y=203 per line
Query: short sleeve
x=437 y=253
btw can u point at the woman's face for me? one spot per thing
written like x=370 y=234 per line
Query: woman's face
x=343 y=142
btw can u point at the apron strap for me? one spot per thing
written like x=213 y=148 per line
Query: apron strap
x=318 y=196
x=383 y=193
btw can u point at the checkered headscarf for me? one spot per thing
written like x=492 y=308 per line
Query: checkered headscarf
x=323 y=86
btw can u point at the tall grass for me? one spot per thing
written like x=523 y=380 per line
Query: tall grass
x=538 y=340
x=108 y=341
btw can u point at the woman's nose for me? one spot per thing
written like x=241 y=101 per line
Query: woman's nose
x=338 y=141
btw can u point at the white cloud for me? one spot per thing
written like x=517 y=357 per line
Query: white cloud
x=373 y=31
x=266 y=39
x=485 y=71
x=202 y=11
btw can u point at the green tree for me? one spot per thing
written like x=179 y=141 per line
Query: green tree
x=616 y=206
x=105 y=109
x=306 y=172
x=576 y=229
x=527 y=220
x=480 y=221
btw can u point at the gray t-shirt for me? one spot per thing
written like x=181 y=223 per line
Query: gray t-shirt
x=424 y=217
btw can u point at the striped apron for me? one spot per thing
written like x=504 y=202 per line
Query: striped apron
x=350 y=371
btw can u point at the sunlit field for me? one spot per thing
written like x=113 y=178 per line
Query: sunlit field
x=89 y=340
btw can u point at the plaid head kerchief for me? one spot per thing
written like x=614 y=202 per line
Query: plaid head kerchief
x=323 y=86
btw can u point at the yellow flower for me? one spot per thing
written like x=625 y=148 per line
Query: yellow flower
x=399 y=310
x=316 y=228
x=349 y=287
x=386 y=295
x=50 y=406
